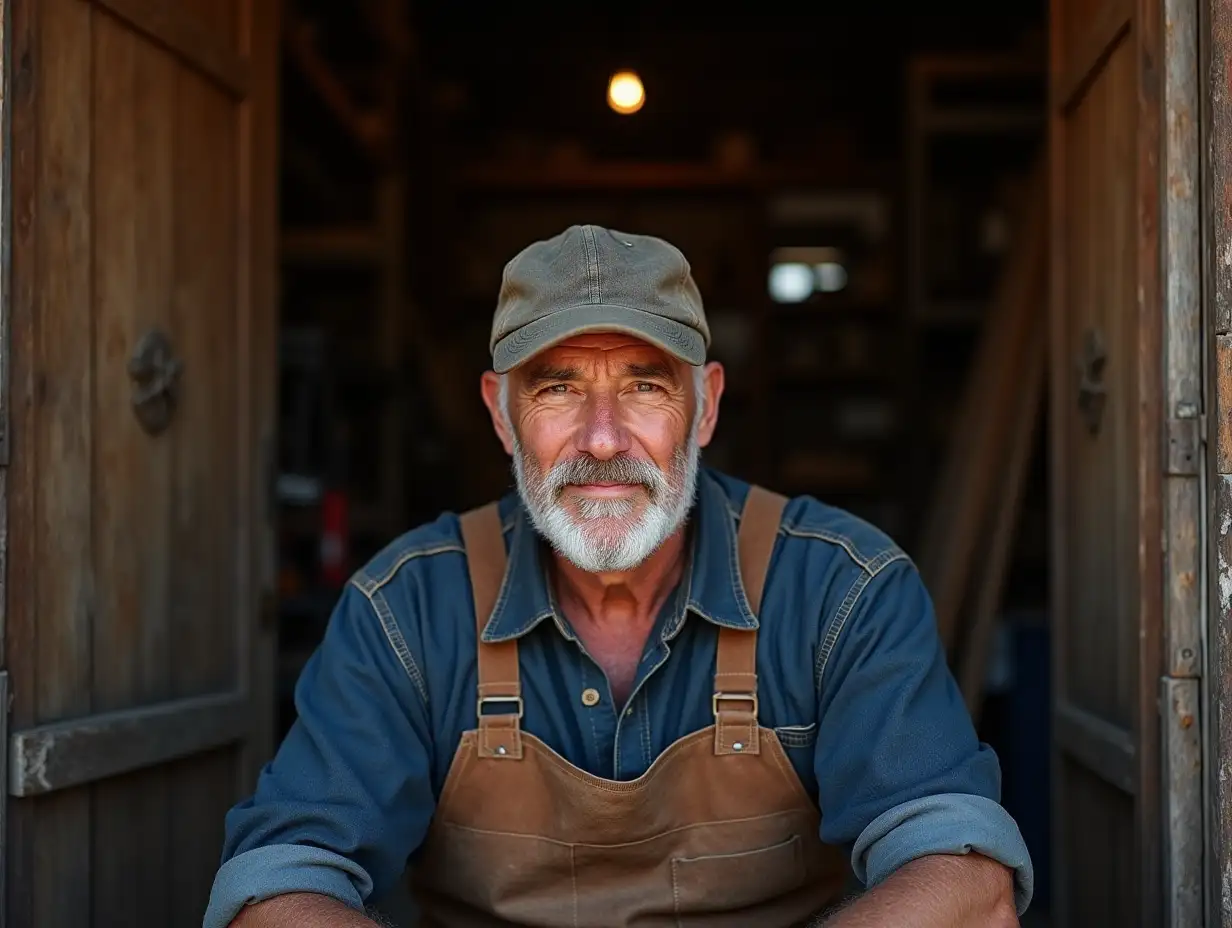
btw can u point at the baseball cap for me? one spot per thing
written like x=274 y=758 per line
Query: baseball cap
x=592 y=279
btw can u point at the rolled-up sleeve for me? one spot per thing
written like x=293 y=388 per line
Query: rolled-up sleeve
x=348 y=796
x=900 y=770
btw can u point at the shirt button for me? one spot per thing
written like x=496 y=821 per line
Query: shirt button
x=590 y=697
x=629 y=711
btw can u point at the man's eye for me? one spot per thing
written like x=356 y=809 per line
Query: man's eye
x=557 y=388
x=647 y=387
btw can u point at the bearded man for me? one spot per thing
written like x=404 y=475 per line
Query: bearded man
x=636 y=692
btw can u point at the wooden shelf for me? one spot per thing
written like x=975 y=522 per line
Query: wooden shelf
x=360 y=245
x=982 y=120
x=585 y=176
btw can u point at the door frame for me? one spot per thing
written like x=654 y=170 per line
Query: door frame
x=1216 y=128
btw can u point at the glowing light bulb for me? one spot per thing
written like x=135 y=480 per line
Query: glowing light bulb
x=625 y=93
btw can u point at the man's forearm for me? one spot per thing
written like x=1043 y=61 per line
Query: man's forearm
x=941 y=891
x=301 y=910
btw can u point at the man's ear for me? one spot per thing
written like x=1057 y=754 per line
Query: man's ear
x=490 y=389
x=713 y=381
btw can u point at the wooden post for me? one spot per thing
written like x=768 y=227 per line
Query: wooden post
x=1217 y=216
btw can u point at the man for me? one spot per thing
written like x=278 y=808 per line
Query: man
x=636 y=692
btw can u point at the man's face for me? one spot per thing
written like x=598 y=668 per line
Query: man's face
x=605 y=433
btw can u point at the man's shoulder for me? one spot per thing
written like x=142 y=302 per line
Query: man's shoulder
x=822 y=529
x=421 y=549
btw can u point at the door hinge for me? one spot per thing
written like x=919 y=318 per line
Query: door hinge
x=1185 y=440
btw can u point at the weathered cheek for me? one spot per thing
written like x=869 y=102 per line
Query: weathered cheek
x=544 y=432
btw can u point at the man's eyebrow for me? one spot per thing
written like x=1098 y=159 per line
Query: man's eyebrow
x=661 y=371
x=545 y=373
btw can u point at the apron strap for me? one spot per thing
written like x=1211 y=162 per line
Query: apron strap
x=735 y=680
x=499 y=704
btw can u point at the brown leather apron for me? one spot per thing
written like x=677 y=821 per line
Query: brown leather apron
x=718 y=832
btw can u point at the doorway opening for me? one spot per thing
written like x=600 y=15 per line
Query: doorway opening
x=851 y=190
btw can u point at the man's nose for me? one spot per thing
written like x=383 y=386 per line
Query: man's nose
x=603 y=436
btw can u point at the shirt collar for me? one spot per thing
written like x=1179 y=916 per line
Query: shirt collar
x=712 y=584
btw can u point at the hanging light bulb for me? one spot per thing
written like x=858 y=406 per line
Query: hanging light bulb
x=625 y=93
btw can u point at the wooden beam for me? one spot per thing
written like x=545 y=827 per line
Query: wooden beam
x=187 y=39
x=66 y=754
x=586 y=176
x=1085 y=59
x=953 y=534
x=370 y=129
x=997 y=552
x=1104 y=749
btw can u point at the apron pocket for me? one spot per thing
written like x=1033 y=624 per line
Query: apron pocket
x=524 y=879
x=725 y=883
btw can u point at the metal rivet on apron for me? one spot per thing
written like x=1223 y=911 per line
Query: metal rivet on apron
x=590 y=697
x=738 y=746
x=501 y=750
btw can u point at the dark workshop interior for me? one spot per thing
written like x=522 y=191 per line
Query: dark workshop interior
x=852 y=188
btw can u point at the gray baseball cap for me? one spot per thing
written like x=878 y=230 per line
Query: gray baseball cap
x=591 y=279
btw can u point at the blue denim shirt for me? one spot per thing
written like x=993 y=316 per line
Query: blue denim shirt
x=852 y=678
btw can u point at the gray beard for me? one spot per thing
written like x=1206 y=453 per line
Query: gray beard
x=608 y=535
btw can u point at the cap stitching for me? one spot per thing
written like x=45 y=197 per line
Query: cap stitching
x=594 y=290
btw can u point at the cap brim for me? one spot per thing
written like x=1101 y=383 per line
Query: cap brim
x=522 y=344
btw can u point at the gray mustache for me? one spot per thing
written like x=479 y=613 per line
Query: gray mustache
x=621 y=469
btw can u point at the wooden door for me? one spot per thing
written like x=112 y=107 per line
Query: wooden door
x=141 y=179
x=1105 y=405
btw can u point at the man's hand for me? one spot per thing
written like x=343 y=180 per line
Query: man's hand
x=940 y=891
x=301 y=910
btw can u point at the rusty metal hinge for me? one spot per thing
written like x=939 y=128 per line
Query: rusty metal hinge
x=1185 y=441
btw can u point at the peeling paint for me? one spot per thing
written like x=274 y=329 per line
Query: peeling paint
x=32 y=765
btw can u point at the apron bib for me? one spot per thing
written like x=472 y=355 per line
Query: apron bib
x=718 y=832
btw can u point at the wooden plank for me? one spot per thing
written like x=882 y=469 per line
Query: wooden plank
x=21 y=477
x=187 y=39
x=952 y=535
x=258 y=179
x=59 y=426
x=208 y=451
x=134 y=113
x=1150 y=295
x=1221 y=415
x=1216 y=125
x=997 y=551
x=1183 y=341
x=1217 y=132
x=1183 y=835
x=1101 y=37
x=1105 y=749
x=61 y=755
x=1220 y=685
x=5 y=264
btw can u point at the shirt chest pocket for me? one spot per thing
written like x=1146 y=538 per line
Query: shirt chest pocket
x=797 y=736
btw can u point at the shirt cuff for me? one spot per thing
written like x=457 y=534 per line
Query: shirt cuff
x=278 y=869
x=950 y=823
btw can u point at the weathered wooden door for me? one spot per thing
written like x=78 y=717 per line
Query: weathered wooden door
x=1126 y=404
x=140 y=310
